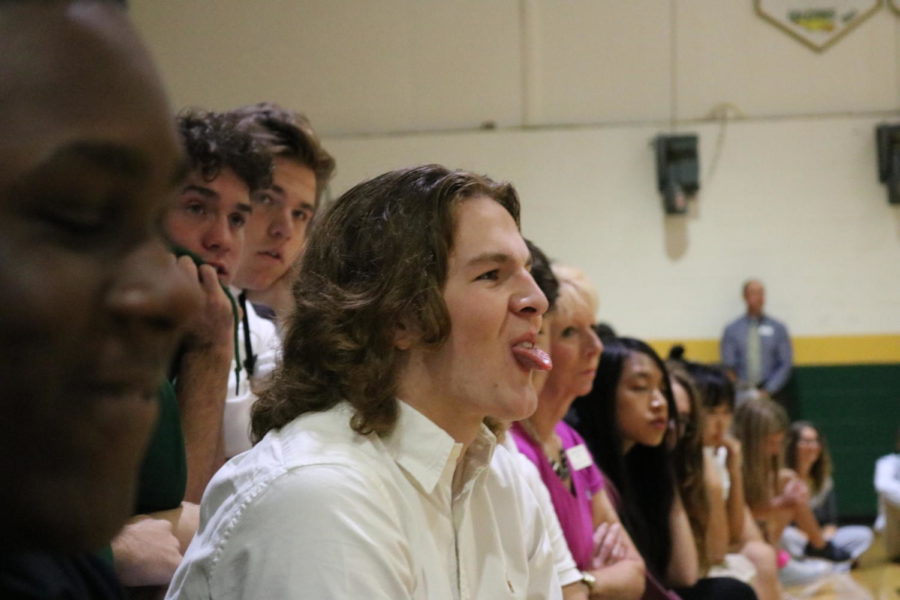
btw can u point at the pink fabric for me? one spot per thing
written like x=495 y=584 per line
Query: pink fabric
x=783 y=558
x=575 y=511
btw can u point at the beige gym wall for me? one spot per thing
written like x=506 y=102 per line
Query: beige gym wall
x=575 y=90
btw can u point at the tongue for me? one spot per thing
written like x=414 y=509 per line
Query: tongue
x=534 y=359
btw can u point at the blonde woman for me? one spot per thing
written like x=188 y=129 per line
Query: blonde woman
x=776 y=496
x=599 y=544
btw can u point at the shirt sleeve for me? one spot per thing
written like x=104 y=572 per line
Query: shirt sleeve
x=827 y=513
x=784 y=359
x=319 y=532
x=887 y=478
x=595 y=479
x=729 y=348
x=566 y=569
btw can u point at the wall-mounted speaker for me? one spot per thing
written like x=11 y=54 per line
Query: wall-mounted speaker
x=677 y=170
x=887 y=140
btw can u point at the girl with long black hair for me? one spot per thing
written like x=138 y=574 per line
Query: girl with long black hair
x=625 y=420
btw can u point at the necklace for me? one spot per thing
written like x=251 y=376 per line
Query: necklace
x=557 y=459
x=561 y=466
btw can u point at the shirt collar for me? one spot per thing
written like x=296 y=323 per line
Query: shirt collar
x=426 y=451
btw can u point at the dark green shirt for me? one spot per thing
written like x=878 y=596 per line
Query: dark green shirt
x=163 y=476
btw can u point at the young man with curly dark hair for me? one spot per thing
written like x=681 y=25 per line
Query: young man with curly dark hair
x=227 y=167
x=375 y=475
x=224 y=168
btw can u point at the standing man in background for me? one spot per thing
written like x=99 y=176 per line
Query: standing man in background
x=756 y=349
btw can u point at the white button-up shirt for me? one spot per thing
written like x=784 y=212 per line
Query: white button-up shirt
x=317 y=511
x=267 y=347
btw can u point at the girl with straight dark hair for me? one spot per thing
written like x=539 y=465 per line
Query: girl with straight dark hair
x=625 y=420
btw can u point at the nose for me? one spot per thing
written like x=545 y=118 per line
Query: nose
x=217 y=236
x=594 y=345
x=658 y=402
x=529 y=300
x=281 y=226
x=151 y=299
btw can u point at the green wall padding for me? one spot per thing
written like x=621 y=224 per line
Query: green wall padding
x=857 y=407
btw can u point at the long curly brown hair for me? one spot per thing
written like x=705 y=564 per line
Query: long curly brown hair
x=376 y=262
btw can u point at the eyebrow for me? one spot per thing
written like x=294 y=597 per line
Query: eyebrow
x=280 y=190
x=203 y=191
x=213 y=195
x=643 y=374
x=113 y=158
x=494 y=258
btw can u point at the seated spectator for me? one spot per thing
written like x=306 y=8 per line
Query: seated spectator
x=416 y=320
x=625 y=419
x=612 y=566
x=570 y=577
x=206 y=221
x=208 y=218
x=775 y=495
x=282 y=215
x=887 y=486
x=732 y=544
x=273 y=243
x=94 y=303
x=806 y=452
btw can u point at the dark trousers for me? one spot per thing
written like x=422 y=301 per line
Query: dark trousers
x=714 y=588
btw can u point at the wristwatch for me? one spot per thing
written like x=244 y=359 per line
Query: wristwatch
x=590 y=581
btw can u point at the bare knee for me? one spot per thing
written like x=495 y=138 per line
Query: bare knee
x=762 y=555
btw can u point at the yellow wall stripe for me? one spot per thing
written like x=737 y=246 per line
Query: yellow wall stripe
x=808 y=351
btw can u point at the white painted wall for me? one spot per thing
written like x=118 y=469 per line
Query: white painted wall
x=577 y=89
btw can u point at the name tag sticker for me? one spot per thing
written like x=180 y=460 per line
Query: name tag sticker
x=766 y=330
x=579 y=457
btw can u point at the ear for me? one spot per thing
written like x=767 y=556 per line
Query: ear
x=404 y=336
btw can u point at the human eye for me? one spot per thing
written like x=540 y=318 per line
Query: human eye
x=568 y=331
x=492 y=275
x=640 y=387
x=301 y=215
x=237 y=220
x=195 y=208
x=75 y=213
x=79 y=219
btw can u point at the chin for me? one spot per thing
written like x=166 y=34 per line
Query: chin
x=522 y=409
x=653 y=440
x=67 y=520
